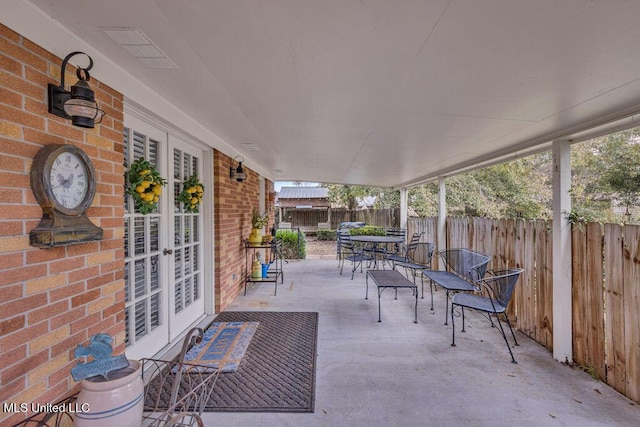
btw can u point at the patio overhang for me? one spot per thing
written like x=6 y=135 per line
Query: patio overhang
x=384 y=94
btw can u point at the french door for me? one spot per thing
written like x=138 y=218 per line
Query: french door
x=163 y=249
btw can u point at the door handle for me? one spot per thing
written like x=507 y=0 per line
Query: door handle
x=166 y=251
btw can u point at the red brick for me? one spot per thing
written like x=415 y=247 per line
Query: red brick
x=10 y=98
x=83 y=273
x=85 y=298
x=23 y=54
x=86 y=248
x=23 y=273
x=11 y=260
x=24 y=366
x=61 y=127
x=18 y=338
x=69 y=344
x=13 y=356
x=8 y=326
x=38 y=256
x=84 y=323
x=39 y=137
x=100 y=280
x=66 y=291
x=15 y=180
x=67 y=317
x=62 y=378
x=11 y=228
x=66 y=264
x=47 y=312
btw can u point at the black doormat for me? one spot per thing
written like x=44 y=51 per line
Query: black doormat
x=277 y=372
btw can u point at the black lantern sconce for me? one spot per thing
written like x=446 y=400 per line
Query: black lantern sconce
x=237 y=173
x=79 y=103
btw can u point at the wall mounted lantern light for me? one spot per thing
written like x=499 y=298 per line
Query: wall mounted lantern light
x=79 y=103
x=237 y=173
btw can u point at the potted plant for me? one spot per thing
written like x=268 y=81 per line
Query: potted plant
x=258 y=222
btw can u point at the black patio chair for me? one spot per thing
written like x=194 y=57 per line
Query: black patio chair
x=341 y=234
x=356 y=255
x=464 y=268
x=492 y=297
x=396 y=232
x=406 y=252
x=417 y=259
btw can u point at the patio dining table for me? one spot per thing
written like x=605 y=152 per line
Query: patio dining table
x=376 y=241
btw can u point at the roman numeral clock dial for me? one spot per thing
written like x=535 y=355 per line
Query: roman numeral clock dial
x=63 y=183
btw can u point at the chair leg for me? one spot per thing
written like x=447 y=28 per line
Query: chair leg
x=511 y=329
x=463 y=330
x=453 y=328
x=513 y=360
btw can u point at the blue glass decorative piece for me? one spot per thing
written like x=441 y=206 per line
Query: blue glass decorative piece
x=100 y=349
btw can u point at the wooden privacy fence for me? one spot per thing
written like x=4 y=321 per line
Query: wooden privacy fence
x=380 y=217
x=605 y=286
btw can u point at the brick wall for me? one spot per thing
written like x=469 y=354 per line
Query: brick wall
x=234 y=202
x=53 y=299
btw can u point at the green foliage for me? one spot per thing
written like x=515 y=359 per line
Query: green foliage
x=605 y=174
x=145 y=185
x=290 y=245
x=257 y=220
x=367 y=230
x=326 y=234
x=191 y=195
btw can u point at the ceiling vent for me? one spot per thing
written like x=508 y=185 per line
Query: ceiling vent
x=140 y=46
x=250 y=146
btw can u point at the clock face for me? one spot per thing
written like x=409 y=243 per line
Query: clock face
x=68 y=179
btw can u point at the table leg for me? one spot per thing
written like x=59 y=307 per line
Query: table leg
x=366 y=281
x=415 y=313
x=379 y=292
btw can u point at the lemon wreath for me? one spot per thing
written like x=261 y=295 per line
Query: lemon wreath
x=191 y=195
x=146 y=185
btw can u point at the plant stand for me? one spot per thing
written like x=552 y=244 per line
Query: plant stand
x=273 y=257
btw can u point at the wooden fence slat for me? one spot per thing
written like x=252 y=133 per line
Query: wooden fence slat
x=579 y=294
x=528 y=305
x=614 y=308
x=631 y=271
x=544 y=288
x=595 y=300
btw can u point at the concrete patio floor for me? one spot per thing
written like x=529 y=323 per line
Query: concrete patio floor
x=397 y=373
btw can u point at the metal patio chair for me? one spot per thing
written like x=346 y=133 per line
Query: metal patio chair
x=492 y=297
x=464 y=269
x=417 y=259
x=341 y=234
x=356 y=255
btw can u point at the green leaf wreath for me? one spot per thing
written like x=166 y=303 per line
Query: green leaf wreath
x=145 y=185
x=191 y=195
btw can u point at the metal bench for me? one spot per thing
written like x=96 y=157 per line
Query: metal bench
x=465 y=268
x=391 y=279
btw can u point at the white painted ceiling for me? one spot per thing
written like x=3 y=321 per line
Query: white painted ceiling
x=380 y=92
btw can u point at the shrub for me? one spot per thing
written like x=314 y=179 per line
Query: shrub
x=367 y=230
x=291 y=247
x=326 y=234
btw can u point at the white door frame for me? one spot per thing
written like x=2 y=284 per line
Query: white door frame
x=136 y=114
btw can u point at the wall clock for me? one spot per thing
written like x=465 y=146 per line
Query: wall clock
x=63 y=182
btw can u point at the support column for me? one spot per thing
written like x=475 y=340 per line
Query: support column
x=441 y=243
x=403 y=208
x=562 y=296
